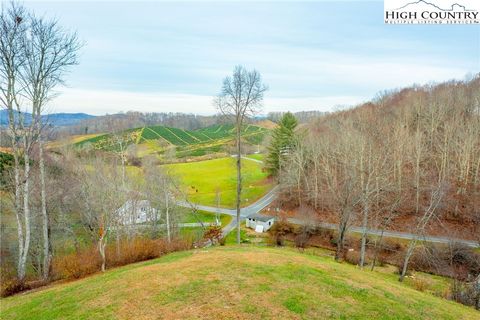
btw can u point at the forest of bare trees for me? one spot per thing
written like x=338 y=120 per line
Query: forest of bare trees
x=409 y=160
x=55 y=203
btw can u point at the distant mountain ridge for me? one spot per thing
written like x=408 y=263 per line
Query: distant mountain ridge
x=54 y=119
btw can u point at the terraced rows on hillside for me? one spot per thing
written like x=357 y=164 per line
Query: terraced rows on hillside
x=197 y=142
x=174 y=136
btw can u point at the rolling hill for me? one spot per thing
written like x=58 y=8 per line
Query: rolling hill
x=187 y=143
x=235 y=283
x=54 y=119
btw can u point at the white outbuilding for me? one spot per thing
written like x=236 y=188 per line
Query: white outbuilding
x=260 y=222
x=137 y=212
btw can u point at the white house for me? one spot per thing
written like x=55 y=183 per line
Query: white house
x=260 y=222
x=136 y=212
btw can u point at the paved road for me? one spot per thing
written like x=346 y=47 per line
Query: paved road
x=270 y=196
x=259 y=205
x=244 y=212
x=393 y=234
x=247 y=158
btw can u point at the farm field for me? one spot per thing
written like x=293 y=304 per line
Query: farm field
x=234 y=282
x=155 y=140
x=201 y=180
x=72 y=140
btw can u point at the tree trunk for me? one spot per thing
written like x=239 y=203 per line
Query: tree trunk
x=239 y=180
x=26 y=211
x=477 y=285
x=341 y=236
x=167 y=215
x=364 y=234
x=101 y=248
x=378 y=247
x=18 y=213
x=124 y=175
x=46 y=223
x=117 y=240
x=408 y=255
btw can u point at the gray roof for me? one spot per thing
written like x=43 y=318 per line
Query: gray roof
x=260 y=217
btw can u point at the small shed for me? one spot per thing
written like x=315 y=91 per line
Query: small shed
x=260 y=222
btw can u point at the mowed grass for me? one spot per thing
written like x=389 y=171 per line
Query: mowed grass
x=72 y=140
x=201 y=179
x=234 y=283
x=206 y=217
x=256 y=156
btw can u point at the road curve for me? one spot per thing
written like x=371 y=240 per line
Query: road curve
x=244 y=212
x=268 y=198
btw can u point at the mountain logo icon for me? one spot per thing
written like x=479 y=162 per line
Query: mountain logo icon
x=452 y=7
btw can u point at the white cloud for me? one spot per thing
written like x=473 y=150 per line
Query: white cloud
x=310 y=103
x=98 y=102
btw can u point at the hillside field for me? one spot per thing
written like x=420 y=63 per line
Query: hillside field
x=186 y=143
x=234 y=283
x=201 y=179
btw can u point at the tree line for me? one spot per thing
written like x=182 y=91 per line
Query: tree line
x=409 y=157
x=53 y=201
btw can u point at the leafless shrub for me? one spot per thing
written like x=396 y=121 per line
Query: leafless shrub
x=465 y=293
x=303 y=236
x=352 y=257
x=279 y=230
x=12 y=286
x=76 y=265
x=421 y=284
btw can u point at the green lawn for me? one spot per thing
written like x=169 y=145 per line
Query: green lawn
x=196 y=233
x=247 y=235
x=234 y=283
x=231 y=238
x=201 y=180
x=256 y=156
x=206 y=217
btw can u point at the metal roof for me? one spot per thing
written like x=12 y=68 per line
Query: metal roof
x=260 y=217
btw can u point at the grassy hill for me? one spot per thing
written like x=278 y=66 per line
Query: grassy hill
x=234 y=283
x=201 y=180
x=156 y=139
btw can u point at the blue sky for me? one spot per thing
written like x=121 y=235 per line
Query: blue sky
x=317 y=55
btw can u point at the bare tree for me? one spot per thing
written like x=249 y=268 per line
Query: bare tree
x=385 y=223
x=161 y=190
x=116 y=128
x=12 y=32
x=101 y=197
x=435 y=200
x=241 y=96
x=42 y=68
x=49 y=52
x=35 y=54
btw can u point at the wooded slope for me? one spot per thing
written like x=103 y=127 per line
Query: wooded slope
x=396 y=156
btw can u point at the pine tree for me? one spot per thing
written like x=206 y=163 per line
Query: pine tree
x=282 y=142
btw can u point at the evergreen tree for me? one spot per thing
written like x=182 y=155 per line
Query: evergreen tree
x=282 y=142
